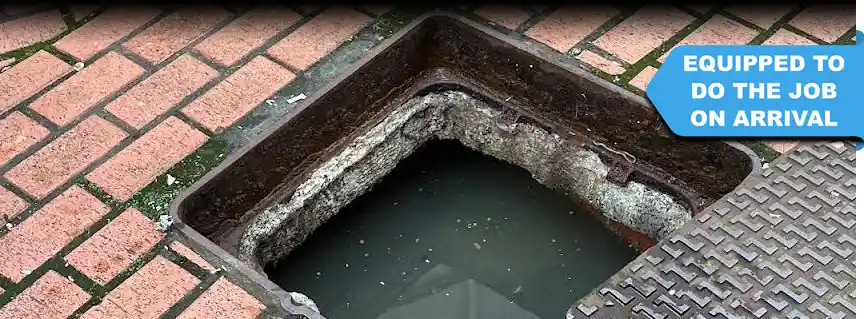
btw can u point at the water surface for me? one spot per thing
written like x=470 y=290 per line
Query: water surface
x=452 y=233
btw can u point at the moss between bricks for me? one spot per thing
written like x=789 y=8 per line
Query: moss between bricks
x=766 y=153
x=155 y=198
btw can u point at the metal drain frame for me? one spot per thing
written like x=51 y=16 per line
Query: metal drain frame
x=436 y=78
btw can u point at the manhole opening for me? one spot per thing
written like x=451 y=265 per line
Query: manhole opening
x=447 y=78
x=448 y=231
x=577 y=172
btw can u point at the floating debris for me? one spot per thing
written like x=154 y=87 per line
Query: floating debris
x=170 y=179
x=78 y=66
x=362 y=242
x=477 y=246
x=296 y=98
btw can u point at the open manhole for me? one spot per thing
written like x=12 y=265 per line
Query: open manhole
x=545 y=141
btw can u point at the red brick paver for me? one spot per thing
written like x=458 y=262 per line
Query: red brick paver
x=827 y=22
x=10 y=205
x=562 y=29
x=52 y=296
x=162 y=90
x=188 y=253
x=169 y=35
x=782 y=146
x=641 y=80
x=643 y=32
x=146 y=158
x=66 y=156
x=315 y=39
x=240 y=92
x=17 y=133
x=114 y=247
x=39 y=237
x=246 y=33
x=29 y=77
x=601 y=63
x=148 y=293
x=104 y=30
x=30 y=30
x=81 y=91
x=786 y=37
x=717 y=31
x=223 y=300
x=508 y=16
x=762 y=15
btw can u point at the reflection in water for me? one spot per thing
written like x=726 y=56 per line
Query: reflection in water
x=452 y=233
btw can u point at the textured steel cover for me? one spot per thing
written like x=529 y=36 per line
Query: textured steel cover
x=781 y=245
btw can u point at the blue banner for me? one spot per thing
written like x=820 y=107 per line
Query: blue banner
x=783 y=91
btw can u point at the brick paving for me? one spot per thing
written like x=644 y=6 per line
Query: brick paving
x=82 y=147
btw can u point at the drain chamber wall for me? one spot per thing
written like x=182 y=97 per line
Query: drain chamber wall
x=552 y=160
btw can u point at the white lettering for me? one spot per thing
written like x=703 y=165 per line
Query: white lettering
x=747 y=63
x=698 y=118
x=820 y=61
x=690 y=63
x=699 y=91
x=741 y=119
x=835 y=63
x=814 y=91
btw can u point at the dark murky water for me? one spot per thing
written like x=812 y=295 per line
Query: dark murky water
x=452 y=233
